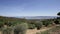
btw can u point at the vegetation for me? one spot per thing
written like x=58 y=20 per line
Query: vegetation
x=20 y=25
x=46 y=23
x=56 y=22
x=20 y=28
x=51 y=31
x=1 y=24
x=38 y=25
x=58 y=13
x=11 y=21
x=31 y=26
x=7 y=30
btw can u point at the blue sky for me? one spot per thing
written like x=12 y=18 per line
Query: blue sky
x=29 y=7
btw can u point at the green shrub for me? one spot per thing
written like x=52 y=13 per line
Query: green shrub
x=1 y=24
x=6 y=30
x=31 y=26
x=56 y=22
x=11 y=23
x=16 y=22
x=20 y=28
x=38 y=25
x=46 y=23
x=8 y=23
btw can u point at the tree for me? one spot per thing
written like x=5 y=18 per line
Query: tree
x=58 y=13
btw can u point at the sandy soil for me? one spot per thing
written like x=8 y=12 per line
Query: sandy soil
x=33 y=31
x=0 y=32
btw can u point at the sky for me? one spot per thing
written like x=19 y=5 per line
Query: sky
x=29 y=7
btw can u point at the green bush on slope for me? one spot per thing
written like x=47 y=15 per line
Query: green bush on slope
x=7 y=30
x=31 y=26
x=38 y=25
x=20 y=28
x=46 y=23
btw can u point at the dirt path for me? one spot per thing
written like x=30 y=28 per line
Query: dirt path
x=0 y=32
x=33 y=31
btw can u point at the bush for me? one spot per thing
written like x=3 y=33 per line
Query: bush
x=8 y=23
x=11 y=23
x=7 y=30
x=1 y=24
x=56 y=22
x=31 y=26
x=38 y=25
x=20 y=28
x=46 y=23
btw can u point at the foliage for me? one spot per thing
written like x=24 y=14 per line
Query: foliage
x=58 y=13
x=20 y=28
x=11 y=20
x=7 y=30
x=31 y=26
x=38 y=25
x=8 y=23
x=1 y=24
x=46 y=23
x=56 y=22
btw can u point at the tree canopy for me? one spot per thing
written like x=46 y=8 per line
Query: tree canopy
x=58 y=13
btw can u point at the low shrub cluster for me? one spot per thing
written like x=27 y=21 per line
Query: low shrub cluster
x=46 y=23
x=20 y=29
x=56 y=22
x=17 y=29
x=38 y=25
x=1 y=24
x=31 y=26
x=7 y=30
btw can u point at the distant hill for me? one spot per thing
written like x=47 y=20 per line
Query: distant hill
x=38 y=17
x=20 y=19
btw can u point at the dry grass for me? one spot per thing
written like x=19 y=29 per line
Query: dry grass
x=34 y=31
